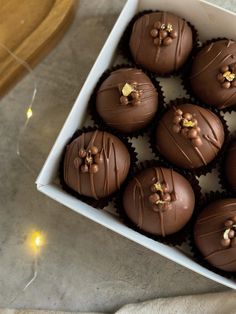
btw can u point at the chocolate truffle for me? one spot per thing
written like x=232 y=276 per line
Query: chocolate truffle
x=213 y=74
x=189 y=136
x=127 y=100
x=215 y=234
x=159 y=201
x=230 y=165
x=161 y=42
x=96 y=164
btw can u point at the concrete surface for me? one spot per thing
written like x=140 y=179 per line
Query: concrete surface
x=83 y=266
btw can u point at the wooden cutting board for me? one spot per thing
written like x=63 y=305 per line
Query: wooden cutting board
x=29 y=28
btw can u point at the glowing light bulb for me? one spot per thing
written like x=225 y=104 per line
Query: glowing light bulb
x=38 y=241
x=29 y=113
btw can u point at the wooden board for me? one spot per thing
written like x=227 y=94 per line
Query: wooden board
x=29 y=28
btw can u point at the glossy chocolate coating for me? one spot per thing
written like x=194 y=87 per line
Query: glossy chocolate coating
x=162 y=56
x=181 y=150
x=131 y=113
x=230 y=165
x=208 y=70
x=209 y=234
x=96 y=164
x=166 y=217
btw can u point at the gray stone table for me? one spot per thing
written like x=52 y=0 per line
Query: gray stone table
x=83 y=265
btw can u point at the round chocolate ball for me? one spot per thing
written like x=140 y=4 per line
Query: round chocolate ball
x=213 y=74
x=230 y=165
x=96 y=164
x=159 y=201
x=215 y=234
x=127 y=100
x=161 y=42
x=189 y=136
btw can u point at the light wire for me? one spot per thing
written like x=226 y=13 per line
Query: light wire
x=22 y=131
x=29 y=111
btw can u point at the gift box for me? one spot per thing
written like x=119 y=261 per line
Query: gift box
x=211 y=22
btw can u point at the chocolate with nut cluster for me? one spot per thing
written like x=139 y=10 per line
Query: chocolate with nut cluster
x=213 y=74
x=215 y=234
x=189 y=136
x=127 y=100
x=96 y=164
x=161 y=42
x=230 y=165
x=159 y=201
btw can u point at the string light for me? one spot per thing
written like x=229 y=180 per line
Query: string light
x=29 y=111
x=38 y=241
x=29 y=114
x=36 y=238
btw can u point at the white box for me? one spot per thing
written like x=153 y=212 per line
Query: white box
x=211 y=21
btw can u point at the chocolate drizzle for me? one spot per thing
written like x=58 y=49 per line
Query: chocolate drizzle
x=181 y=30
x=151 y=201
x=160 y=197
x=127 y=100
x=176 y=143
x=206 y=66
x=215 y=234
x=177 y=52
x=95 y=164
x=189 y=136
x=213 y=74
x=140 y=204
x=225 y=43
x=161 y=42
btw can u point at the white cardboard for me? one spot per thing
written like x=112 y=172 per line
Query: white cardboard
x=211 y=21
